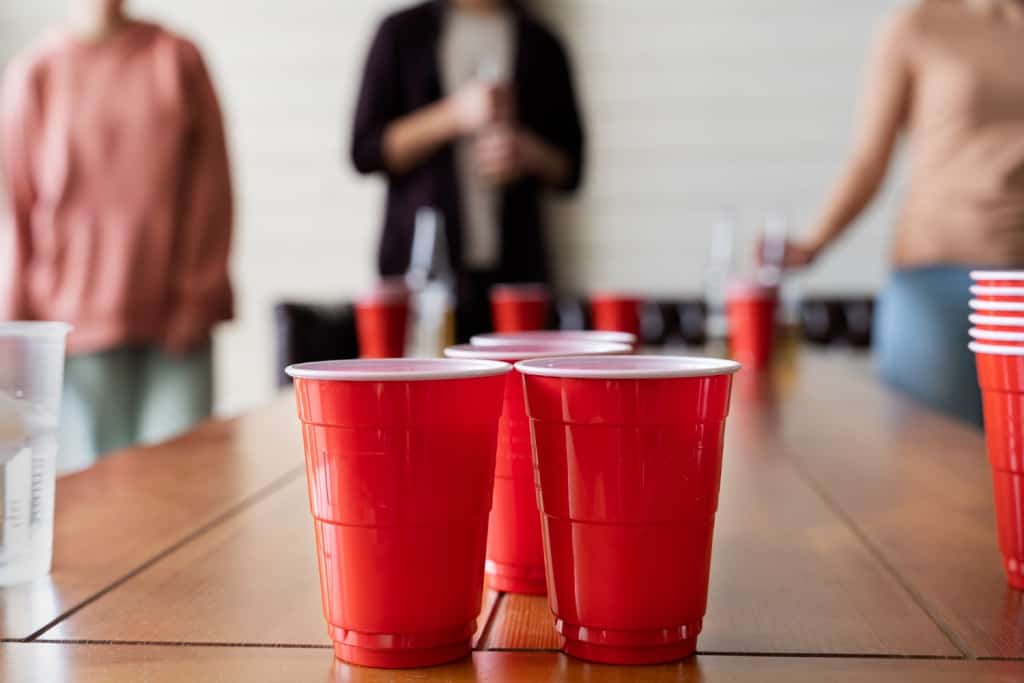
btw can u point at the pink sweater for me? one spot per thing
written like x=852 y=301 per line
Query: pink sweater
x=117 y=177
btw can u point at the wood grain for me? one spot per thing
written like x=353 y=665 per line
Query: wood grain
x=171 y=664
x=788 y=576
x=132 y=506
x=917 y=487
x=251 y=579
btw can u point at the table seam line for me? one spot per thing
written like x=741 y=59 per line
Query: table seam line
x=274 y=486
x=311 y=646
x=875 y=552
x=485 y=632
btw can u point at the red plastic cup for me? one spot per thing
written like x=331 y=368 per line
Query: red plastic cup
x=751 y=311
x=400 y=467
x=629 y=459
x=381 y=321
x=1001 y=376
x=998 y=278
x=515 y=552
x=520 y=308
x=998 y=337
x=985 y=293
x=546 y=336
x=1003 y=309
x=616 y=312
x=996 y=323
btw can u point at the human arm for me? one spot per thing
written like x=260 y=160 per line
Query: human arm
x=18 y=122
x=884 y=111
x=202 y=291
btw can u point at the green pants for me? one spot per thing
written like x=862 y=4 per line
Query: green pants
x=130 y=395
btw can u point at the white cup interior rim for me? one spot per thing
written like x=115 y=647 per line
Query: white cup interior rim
x=997 y=291
x=979 y=305
x=997 y=274
x=627 y=367
x=996 y=335
x=517 y=352
x=397 y=369
x=978 y=319
x=996 y=350
x=543 y=336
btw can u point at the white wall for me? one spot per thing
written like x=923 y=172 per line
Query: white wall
x=691 y=106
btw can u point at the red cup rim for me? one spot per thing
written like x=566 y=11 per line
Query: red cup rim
x=517 y=352
x=627 y=367
x=996 y=350
x=997 y=275
x=981 y=290
x=996 y=335
x=397 y=369
x=977 y=319
x=544 y=336
x=977 y=305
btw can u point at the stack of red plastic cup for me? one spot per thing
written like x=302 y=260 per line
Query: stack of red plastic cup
x=616 y=312
x=628 y=452
x=381 y=320
x=751 y=310
x=520 y=307
x=998 y=345
x=515 y=551
x=400 y=467
x=547 y=336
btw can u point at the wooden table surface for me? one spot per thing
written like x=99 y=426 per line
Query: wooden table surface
x=855 y=541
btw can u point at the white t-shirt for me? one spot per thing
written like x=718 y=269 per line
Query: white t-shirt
x=476 y=45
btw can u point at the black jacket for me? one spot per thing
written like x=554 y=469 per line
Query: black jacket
x=402 y=76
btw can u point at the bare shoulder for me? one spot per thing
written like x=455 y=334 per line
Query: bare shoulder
x=930 y=16
x=183 y=46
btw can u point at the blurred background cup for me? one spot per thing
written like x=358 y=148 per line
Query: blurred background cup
x=515 y=552
x=545 y=336
x=31 y=381
x=616 y=312
x=400 y=463
x=1001 y=376
x=628 y=452
x=382 y=319
x=520 y=307
x=751 y=309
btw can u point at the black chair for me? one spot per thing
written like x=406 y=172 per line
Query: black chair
x=859 y=315
x=693 y=322
x=308 y=332
x=838 y=321
x=822 y=321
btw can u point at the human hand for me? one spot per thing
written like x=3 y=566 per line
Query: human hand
x=506 y=153
x=479 y=104
x=795 y=254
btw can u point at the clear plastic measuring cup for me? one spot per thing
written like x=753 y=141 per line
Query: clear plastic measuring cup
x=31 y=378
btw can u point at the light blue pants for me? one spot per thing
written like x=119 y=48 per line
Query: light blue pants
x=920 y=339
x=130 y=395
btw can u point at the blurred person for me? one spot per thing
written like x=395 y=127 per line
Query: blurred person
x=116 y=173
x=468 y=106
x=949 y=73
